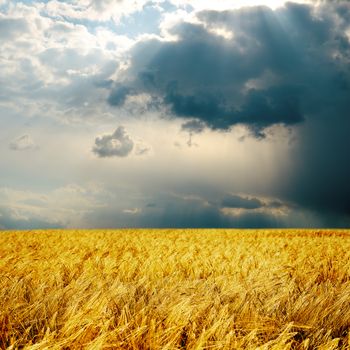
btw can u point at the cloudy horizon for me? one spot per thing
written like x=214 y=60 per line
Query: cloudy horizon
x=174 y=113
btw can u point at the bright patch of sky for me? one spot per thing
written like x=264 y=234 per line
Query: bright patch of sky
x=145 y=21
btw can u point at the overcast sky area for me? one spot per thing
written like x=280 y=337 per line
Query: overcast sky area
x=176 y=113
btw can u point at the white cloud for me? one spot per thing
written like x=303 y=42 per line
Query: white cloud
x=169 y=20
x=10 y=28
x=132 y=211
x=54 y=68
x=66 y=206
x=98 y=10
x=21 y=143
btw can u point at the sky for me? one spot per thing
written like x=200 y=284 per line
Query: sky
x=176 y=113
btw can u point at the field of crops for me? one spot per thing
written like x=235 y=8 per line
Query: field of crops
x=175 y=289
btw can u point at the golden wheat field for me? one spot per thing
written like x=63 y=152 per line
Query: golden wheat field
x=175 y=289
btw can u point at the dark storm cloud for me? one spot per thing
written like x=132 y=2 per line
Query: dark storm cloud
x=177 y=212
x=119 y=144
x=119 y=95
x=320 y=179
x=206 y=77
x=151 y=205
x=234 y=201
x=183 y=215
x=288 y=66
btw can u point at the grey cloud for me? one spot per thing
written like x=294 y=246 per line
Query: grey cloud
x=178 y=212
x=193 y=126
x=24 y=142
x=276 y=204
x=289 y=66
x=320 y=178
x=151 y=205
x=246 y=202
x=119 y=95
x=8 y=222
x=184 y=215
x=204 y=76
x=261 y=108
x=234 y=201
x=203 y=209
x=11 y=27
x=119 y=144
x=107 y=83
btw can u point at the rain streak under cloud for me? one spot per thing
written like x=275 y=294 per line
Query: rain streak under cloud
x=174 y=113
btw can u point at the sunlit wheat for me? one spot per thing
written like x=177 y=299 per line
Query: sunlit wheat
x=175 y=289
